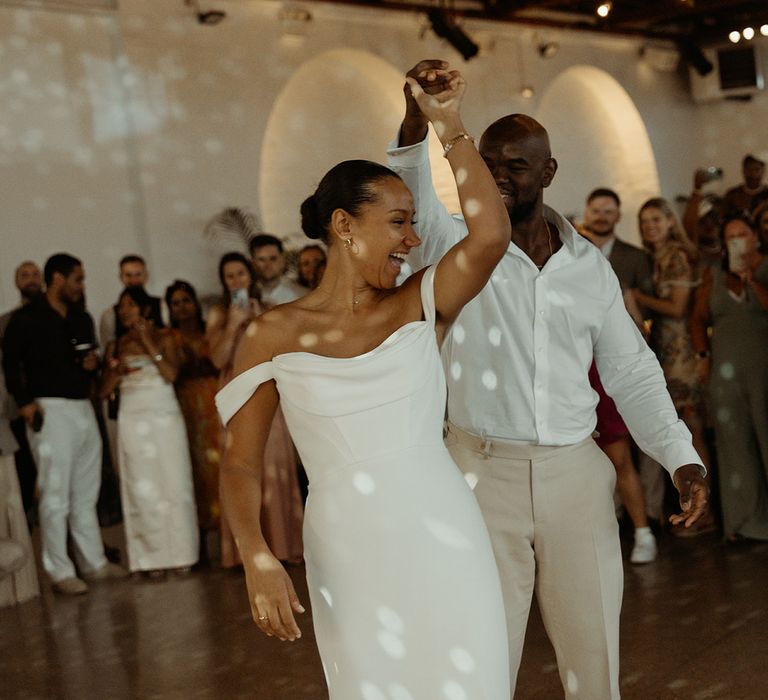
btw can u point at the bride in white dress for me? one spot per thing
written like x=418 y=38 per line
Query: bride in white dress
x=405 y=594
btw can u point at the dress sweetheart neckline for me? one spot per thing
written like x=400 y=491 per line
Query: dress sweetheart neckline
x=383 y=344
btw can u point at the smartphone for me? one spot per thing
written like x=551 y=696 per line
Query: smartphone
x=737 y=255
x=713 y=173
x=37 y=422
x=240 y=298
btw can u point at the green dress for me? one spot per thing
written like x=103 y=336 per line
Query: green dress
x=739 y=395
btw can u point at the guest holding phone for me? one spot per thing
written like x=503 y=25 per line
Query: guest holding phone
x=733 y=301
x=282 y=512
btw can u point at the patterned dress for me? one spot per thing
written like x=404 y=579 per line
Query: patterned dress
x=670 y=337
x=196 y=388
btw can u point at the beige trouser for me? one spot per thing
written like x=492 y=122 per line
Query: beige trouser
x=549 y=511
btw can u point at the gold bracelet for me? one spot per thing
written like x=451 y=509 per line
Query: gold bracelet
x=452 y=142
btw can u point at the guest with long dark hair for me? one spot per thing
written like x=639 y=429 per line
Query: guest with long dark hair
x=155 y=469
x=196 y=385
x=282 y=511
x=733 y=302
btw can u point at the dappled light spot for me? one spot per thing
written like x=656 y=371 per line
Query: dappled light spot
x=472 y=208
x=145 y=488
x=471 y=479
x=489 y=379
x=723 y=414
x=212 y=455
x=462 y=660
x=333 y=336
x=458 y=333
x=45 y=449
x=308 y=340
x=572 y=683
x=391 y=644
x=372 y=692
x=265 y=562
x=727 y=371
x=456 y=370
x=447 y=534
x=461 y=176
x=148 y=450
x=461 y=261
x=399 y=692
x=454 y=691
x=326 y=595
x=364 y=483
x=439 y=127
x=251 y=330
x=677 y=684
x=735 y=481
x=390 y=620
x=229 y=440
x=494 y=336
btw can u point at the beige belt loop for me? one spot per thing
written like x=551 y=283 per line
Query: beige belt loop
x=487 y=444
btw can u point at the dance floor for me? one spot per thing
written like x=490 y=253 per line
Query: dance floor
x=694 y=626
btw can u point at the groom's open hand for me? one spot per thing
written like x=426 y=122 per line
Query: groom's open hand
x=694 y=494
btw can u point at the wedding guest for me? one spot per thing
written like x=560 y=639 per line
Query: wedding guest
x=675 y=278
x=29 y=283
x=50 y=363
x=155 y=470
x=733 y=302
x=761 y=224
x=132 y=273
x=743 y=198
x=282 y=511
x=196 y=385
x=633 y=270
x=311 y=264
x=268 y=260
x=18 y=572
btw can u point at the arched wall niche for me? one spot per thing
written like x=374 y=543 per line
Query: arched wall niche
x=342 y=104
x=599 y=139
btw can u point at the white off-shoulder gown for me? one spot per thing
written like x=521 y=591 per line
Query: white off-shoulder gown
x=406 y=599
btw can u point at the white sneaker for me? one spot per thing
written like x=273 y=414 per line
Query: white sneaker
x=70 y=586
x=645 y=550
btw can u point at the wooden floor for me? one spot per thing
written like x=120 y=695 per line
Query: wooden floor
x=694 y=627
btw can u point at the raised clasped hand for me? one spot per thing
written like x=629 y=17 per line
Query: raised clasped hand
x=439 y=107
x=272 y=596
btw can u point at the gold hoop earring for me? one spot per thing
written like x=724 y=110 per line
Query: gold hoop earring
x=350 y=245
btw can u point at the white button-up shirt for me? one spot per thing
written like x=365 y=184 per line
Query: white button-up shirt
x=518 y=355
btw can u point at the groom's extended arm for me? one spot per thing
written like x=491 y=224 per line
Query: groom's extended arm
x=408 y=156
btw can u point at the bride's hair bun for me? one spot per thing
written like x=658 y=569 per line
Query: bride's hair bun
x=310 y=219
x=350 y=185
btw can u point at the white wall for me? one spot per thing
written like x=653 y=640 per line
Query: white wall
x=126 y=132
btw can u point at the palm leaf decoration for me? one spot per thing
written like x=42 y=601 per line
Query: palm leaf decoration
x=232 y=227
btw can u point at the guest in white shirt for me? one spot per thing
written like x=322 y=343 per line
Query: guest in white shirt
x=521 y=411
x=268 y=260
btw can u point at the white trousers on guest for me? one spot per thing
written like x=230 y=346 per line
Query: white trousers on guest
x=550 y=514
x=67 y=453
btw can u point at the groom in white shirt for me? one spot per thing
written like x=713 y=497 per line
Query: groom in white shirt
x=521 y=411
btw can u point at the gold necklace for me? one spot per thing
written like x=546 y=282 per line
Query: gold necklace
x=549 y=241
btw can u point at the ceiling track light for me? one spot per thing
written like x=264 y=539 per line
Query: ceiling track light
x=764 y=30
x=209 y=17
x=748 y=33
x=734 y=37
x=444 y=26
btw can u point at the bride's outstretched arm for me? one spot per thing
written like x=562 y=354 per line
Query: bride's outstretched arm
x=465 y=268
x=271 y=593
